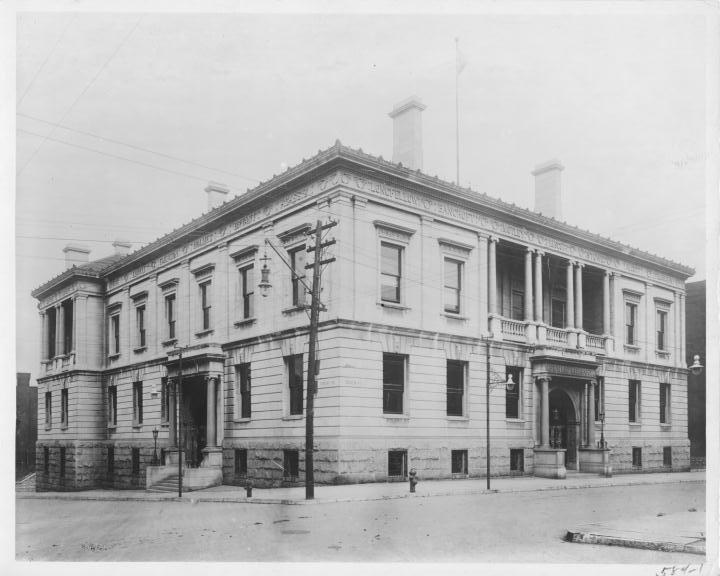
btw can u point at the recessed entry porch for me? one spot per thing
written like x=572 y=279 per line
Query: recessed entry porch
x=566 y=417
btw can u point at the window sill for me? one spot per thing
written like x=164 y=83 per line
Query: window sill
x=453 y=316
x=140 y=349
x=246 y=420
x=662 y=354
x=48 y=428
x=294 y=417
x=397 y=417
x=635 y=424
x=169 y=342
x=515 y=420
x=294 y=309
x=63 y=427
x=457 y=418
x=204 y=333
x=631 y=348
x=136 y=426
x=665 y=426
x=113 y=356
x=393 y=305
x=245 y=322
x=164 y=424
x=112 y=427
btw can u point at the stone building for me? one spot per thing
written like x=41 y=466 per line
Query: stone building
x=436 y=292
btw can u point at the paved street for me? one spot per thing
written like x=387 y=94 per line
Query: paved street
x=502 y=527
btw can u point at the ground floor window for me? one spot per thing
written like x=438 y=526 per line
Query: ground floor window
x=637 y=457
x=240 y=462
x=397 y=463
x=136 y=460
x=162 y=456
x=667 y=456
x=291 y=464
x=517 y=460
x=111 y=460
x=458 y=463
x=46 y=459
x=62 y=462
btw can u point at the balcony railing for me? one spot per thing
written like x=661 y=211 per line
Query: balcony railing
x=557 y=336
x=595 y=342
x=513 y=328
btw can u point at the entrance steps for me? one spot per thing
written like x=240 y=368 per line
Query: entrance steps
x=193 y=479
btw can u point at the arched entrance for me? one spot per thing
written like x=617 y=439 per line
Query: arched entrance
x=564 y=425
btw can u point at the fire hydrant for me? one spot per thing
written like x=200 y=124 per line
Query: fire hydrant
x=248 y=489
x=413 y=480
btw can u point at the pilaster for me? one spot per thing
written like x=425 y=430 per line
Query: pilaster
x=483 y=283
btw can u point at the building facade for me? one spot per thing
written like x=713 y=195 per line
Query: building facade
x=436 y=293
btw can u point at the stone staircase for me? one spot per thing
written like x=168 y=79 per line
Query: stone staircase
x=193 y=479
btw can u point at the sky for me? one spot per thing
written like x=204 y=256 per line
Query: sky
x=123 y=118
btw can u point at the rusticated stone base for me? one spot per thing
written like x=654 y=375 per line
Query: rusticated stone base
x=595 y=461
x=550 y=463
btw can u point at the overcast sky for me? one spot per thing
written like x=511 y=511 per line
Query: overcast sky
x=122 y=119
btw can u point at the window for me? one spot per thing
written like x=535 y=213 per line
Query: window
x=140 y=323
x=390 y=272
x=115 y=334
x=397 y=463
x=247 y=291
x=64 y=408
x=393 y=383
x=637 y=457
x=242 y=375
x=206 y=304
x=453 y=285
x=240 y=462
x=295 y=382
x=137 y=403
x=667 y=456
x=512 y=396
x=455 y=387
x=630 y=323
x=297 y=263
x=634 y=400
x=664 y=403
x=112 y=405
x=164 y=401
x=111 y=460
x=170 y=315
x=557 y=313
x=458 y=462
x=661 y=326
x=46 y=459
x=62 y=461
x=67 y=326
x=51 y=328
x=136 y=461
x=291 y=464
x=48 y=409
x=517 y=460
x=517 y=303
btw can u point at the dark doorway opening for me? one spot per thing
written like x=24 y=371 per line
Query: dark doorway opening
x=564 y=426
x=194 y=420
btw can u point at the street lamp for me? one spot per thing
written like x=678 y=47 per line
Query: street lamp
x=603 y=444
x=696 y=367
x=155 y=435
x=508 y=384
x=264 y=284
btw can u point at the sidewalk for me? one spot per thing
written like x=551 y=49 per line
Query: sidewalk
x=378 y=490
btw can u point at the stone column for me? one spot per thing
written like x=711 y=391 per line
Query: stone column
x=584 y=416
x=606 y=303
x=579 y=305
x=492 y=286
x=545 y=419
x=683 y=355
x=591 y=414
x=60 y=330
x=528 y=285
x=483 y=282
x=538 y=287
x=570 y=295
x=44 y=346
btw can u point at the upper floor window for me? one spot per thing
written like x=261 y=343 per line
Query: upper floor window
x=390 y=272
x=452 y=284
x=455 y=387
x=660 y=329
x=48 y=410
x=242 y=390
x=64 y=408
x=297 y=263
x=634 y=400
x=247 y=291
x=630 y=323
x=137 y=403
x=393 y=383
x=67 y=343
x=140 y=325
x=51 y=327
x=115 y=334
x=206 y=304
x=170 y=316
x=294 y=366
x=512 y=393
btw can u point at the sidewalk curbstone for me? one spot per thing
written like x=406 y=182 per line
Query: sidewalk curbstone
x=580 y=537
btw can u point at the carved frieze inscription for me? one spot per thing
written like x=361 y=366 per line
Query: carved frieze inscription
x=409 y=198
x=560 y=369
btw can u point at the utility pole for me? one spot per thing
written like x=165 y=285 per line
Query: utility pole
x=178 y=392
x=312 y=364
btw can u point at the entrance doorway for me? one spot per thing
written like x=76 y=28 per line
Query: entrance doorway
x=194 y=420
x=564 y=425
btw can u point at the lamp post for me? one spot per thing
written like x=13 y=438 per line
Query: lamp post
x=155 y=435
x=498 y=383
x=696 y=368
x=602 y=430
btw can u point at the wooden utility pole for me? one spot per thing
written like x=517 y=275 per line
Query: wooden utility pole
x=312 y=364
x=178 y=392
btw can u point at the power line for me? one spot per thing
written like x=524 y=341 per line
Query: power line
x=87 y=87
x=134 y=147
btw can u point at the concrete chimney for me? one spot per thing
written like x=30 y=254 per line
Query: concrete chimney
x=76 y=255
x=216 y=194
x=548 y=189
x=122 y=248
x=407 y=133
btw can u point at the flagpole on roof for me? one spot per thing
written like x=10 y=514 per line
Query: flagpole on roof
x=457 y=111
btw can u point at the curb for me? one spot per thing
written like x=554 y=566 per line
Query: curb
x=145 y=497
x=580 y=537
